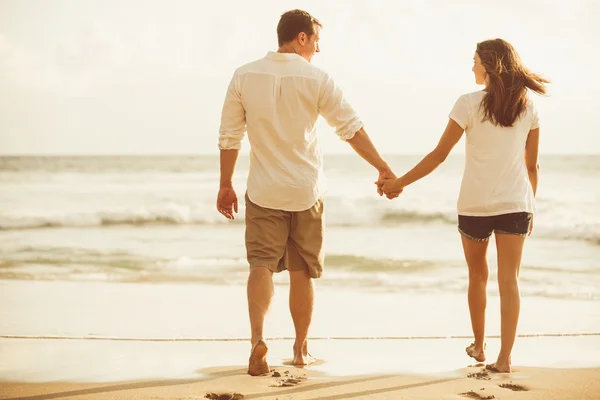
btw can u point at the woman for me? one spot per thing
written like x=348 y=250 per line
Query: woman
x=499 y=182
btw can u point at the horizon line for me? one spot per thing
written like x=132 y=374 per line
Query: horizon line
x=200 y=154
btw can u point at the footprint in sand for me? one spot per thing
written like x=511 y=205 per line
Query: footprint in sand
x=483 y=375
x=513 y=387
x=473 y=395
x=224 y=396
x=288 y=380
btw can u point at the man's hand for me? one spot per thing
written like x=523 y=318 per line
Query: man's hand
x=385 y=175
x=390 y=187
x=227 y=202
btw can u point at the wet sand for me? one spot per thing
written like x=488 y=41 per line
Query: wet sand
x=78 y=340
x=38 y=369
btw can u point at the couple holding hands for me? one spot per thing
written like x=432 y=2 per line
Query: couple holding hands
x=277 y=101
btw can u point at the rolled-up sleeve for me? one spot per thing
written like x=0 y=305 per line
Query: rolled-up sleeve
x=336 y=110
x=233 y=118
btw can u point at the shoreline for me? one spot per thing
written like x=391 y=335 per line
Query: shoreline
x=155 y=341
x=100 y=360
x=187 y=310
x=384 y=369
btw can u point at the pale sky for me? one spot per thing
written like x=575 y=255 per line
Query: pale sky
x=149 y=77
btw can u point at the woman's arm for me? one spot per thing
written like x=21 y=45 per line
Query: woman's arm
x=431 y=161
x=531 y=162
x=531 y=157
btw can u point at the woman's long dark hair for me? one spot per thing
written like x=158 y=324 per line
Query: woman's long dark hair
x=506 y=96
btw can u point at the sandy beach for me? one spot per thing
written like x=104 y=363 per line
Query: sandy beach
x=90 y=340
x=324 y=381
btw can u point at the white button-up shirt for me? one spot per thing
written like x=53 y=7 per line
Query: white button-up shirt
x=278 y=100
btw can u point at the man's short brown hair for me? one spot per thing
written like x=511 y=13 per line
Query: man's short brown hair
x=292 y=23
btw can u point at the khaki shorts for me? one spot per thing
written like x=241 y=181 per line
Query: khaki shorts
x=280 y=240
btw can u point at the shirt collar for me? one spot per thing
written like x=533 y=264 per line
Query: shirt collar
x=275 y=56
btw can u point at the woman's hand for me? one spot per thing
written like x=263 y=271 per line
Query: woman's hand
x=390 y=187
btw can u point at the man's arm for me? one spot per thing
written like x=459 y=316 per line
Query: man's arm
x=364 y=147
x=340 y=115
x=231 y=133
x=227 y=202
x=233 y=118
x=228 y=161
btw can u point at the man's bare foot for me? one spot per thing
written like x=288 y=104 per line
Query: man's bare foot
x=257 y=365
x=303 y=357
x=477 y=353
x=499 y=367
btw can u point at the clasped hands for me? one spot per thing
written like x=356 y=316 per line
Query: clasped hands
x=388 y=184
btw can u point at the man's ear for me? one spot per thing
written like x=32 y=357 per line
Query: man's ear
x=302 y=37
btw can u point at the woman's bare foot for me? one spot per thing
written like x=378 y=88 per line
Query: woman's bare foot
x=477 y=353
x=499 y=367
x=257 y=365
x=302 y=357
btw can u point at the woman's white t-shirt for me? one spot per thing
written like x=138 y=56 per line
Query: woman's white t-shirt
x=495 y=179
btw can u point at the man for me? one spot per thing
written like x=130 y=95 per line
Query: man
x=278 y=100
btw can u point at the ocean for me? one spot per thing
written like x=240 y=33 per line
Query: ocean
x=153 y=219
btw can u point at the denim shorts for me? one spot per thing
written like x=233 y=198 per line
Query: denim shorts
x=480 y=228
